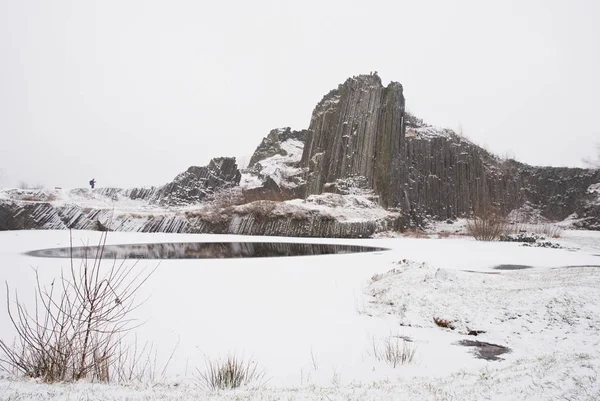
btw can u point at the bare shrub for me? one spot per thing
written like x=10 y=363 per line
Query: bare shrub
x=415 y=233
x=325 y=216
x=38 y=197
x=77 y=323
x=487 y=226
x=33 y=195
x=138 y=363
x=220 y=208
x=551 y=230
x=591 y=162
x=261 y=208
x=228 y=197
x=393 y=350
x=211 y=213
x=313 y=360
x=229 y=373
x=26 y=185
x=547 y=229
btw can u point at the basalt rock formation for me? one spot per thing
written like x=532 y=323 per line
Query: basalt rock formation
x=271 y=144
x=361 y=154
x=357 y=130
x=445 y=175
x=587 y=209
x=196 y=183
x=361 y=132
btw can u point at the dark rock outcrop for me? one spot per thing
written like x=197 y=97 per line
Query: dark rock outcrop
x=447 y=176
x=269 y=190
x=271 y=144
x=360 y=132
x=30 y=215
x=357 y=130
x=557 y=191
x=588 y=208
x=281 y=177
x=195 y=184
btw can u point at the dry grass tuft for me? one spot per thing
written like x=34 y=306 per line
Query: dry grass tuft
x=230 y=373
x=393 y=350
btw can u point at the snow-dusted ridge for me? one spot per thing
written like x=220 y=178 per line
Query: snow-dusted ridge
x=429 y=132
x=101 y=198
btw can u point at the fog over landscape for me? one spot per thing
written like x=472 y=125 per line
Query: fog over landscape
x=134 y=92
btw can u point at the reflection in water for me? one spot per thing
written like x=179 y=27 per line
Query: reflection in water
x=202 y=250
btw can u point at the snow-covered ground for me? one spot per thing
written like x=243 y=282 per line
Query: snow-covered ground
x=311 y=321
x=100 y=198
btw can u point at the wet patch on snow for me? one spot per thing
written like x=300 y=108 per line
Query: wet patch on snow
x=512 y=267
x=480 y=272
x=487 y=351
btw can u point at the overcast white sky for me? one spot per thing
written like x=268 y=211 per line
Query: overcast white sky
x=134 y=92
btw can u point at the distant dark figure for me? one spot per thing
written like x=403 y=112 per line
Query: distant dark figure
x=92 y=182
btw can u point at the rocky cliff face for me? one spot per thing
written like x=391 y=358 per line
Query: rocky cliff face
x=274 y=171
x=588 y=209
x=194 y=185
x=273 y=144
x=361 y=154
x=357 y=130
x=360 y=134
x=444 y=175
x=197 y=183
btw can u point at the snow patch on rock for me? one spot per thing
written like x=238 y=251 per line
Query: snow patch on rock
x=346 y=208
x=281 y=168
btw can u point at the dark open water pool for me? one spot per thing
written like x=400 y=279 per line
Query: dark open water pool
x=202 y=250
